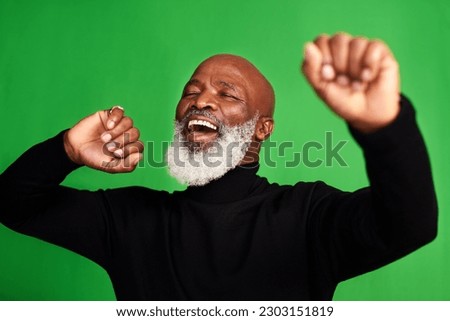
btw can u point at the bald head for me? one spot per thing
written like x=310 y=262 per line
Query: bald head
x=233 y=91
x=261 y=94
x=227 y=93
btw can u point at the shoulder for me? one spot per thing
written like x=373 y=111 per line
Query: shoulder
x=308 y=196
x=301 y=192
x=314 y=188
x=135 y=197
x=135 y=192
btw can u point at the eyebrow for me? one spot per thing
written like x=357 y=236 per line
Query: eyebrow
x=227 y=85
x=192 y=82
x=222 y=83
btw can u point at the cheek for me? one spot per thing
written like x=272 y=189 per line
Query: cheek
x=235 y=114
x=181 y=109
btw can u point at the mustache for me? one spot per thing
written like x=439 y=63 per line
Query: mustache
x=203 y=113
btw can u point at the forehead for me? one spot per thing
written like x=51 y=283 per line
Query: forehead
x=221 y=72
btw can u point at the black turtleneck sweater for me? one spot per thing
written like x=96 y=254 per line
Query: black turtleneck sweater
x=239 y=237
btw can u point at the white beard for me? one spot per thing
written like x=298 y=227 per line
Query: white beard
x=198 y=166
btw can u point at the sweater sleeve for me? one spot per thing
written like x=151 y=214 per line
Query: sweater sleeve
x=358 y=232
x=34 y=203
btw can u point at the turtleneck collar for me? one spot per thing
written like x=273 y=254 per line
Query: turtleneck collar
x=234 y=185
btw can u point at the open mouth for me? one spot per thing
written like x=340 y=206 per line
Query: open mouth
x=201 y=130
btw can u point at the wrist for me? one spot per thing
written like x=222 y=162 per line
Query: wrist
x=70 y=151
x=372 y=124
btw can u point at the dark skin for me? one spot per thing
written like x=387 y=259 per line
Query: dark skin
x=234 y=91
x=356 y=77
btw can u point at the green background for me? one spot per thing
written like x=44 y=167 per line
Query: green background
x=62 y=60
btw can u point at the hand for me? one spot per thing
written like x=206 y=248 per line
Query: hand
x=105 y=141
x=356 y=77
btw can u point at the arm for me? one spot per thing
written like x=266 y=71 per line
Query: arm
x=358 y=232
x=35 y=204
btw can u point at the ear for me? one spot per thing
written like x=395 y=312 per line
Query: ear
x=263 y=128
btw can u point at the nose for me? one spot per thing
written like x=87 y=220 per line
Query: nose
x=205 y=100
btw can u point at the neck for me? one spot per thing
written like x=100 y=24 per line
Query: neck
x=234 y=185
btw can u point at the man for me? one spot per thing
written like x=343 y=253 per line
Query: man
x=231 y=235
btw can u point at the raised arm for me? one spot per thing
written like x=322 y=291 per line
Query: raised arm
x=358 y=232
x=34 y=203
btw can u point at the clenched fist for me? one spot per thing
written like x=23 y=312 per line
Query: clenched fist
x=356 y=77
x=106 y=140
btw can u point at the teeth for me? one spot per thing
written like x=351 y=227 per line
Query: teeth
x=202 y=123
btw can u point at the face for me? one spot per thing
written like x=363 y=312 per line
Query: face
x=224 y=113
x=221 y=87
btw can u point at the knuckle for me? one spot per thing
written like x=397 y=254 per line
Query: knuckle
x=135 y=133
x=128 y=121
x=372 y=58
x=115 y=115
x=133 y=148
x=341 y=34
x=140 y=145
x=394 y=64
x=373 y=51
x=358 y=42
x=321 y=38
x=378 y=42
x=377 y=45
x=340 y=38
x=130 y=136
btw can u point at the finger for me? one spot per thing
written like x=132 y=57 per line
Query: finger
x=322 y=42
x=135 y=147
x=127 y=137
x=357 y=47
x=312 y=64
x=339 y=47
x=130 y=162
x=115 y=114
x=124 y=124
x=371 y=60
x=123 y=165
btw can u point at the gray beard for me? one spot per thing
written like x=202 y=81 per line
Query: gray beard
x=196 y=166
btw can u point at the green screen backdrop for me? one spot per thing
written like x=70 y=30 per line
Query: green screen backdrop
x=61 y=60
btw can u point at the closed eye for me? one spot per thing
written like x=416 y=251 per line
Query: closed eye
x=190 y=93
x=229 y=96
